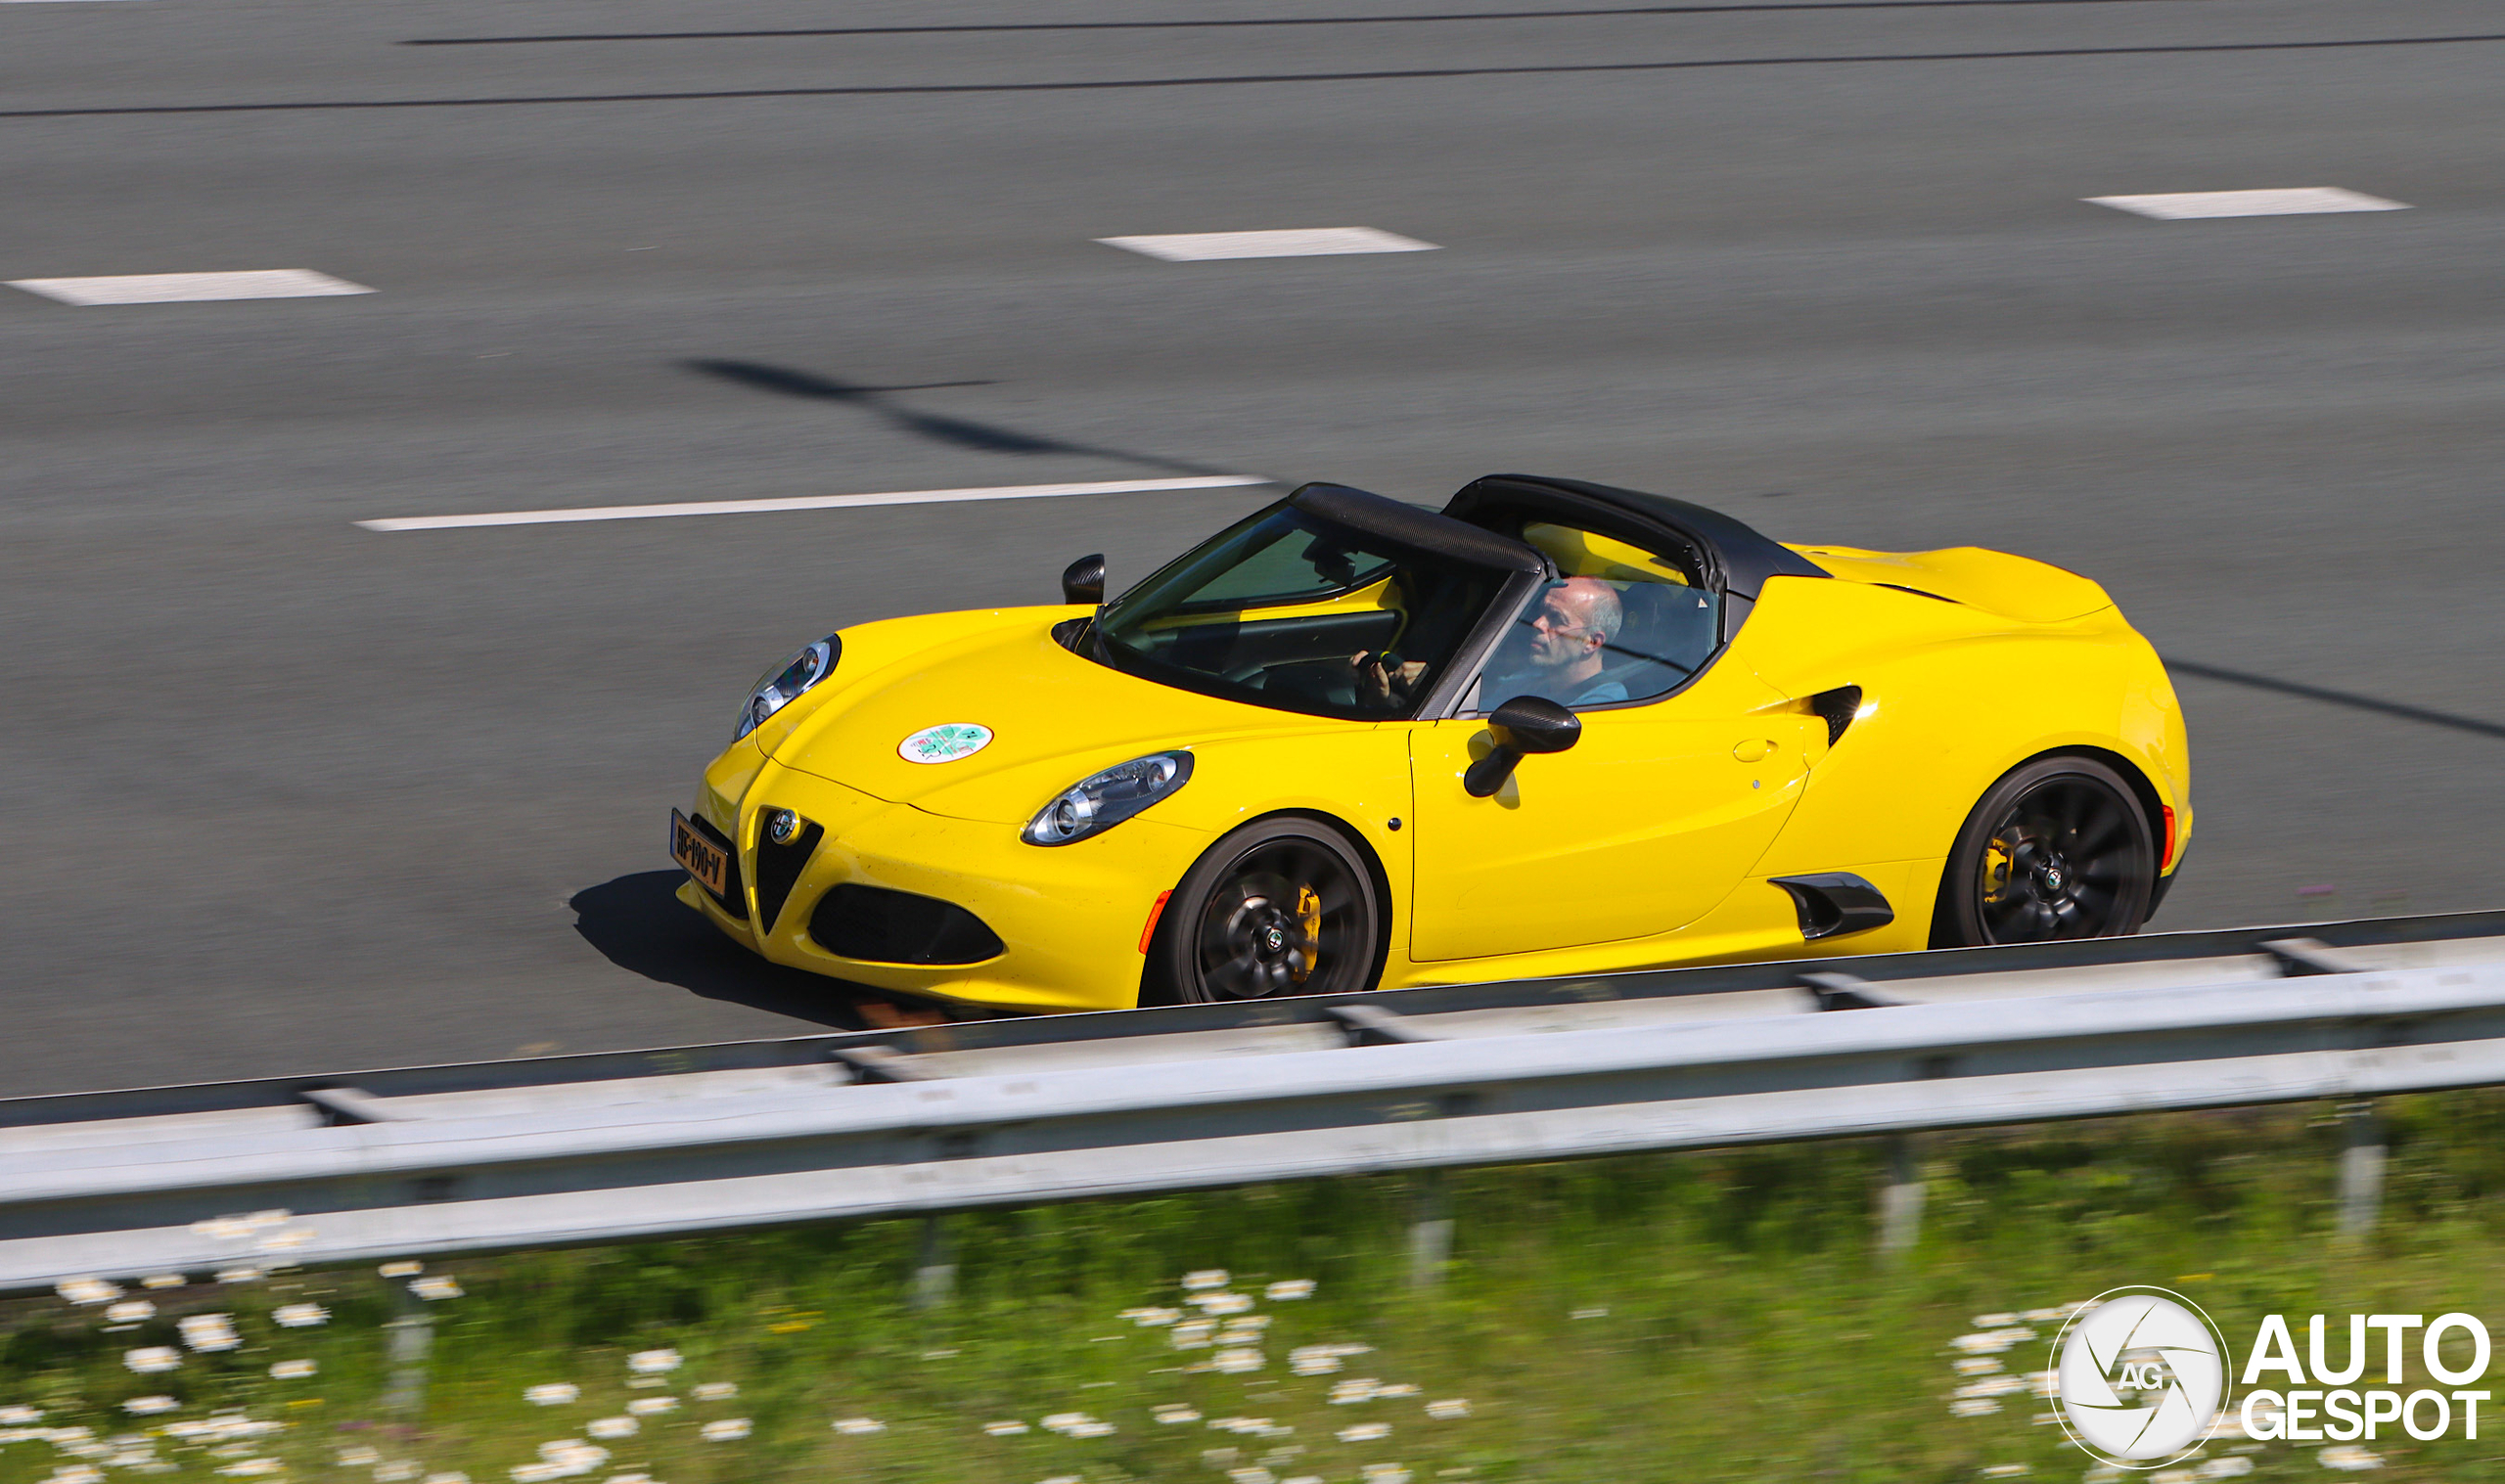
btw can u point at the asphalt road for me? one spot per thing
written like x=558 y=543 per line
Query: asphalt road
x=289 y=795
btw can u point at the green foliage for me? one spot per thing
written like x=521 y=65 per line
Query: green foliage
x=1695 y=1316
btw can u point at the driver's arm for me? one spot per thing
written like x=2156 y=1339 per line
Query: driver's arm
x=1378 y=684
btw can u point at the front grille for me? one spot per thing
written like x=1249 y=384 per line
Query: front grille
x=881 y=926
x=778 y=869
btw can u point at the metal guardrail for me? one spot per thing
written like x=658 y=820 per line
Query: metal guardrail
x=644 y=1145
x=1106 y=1031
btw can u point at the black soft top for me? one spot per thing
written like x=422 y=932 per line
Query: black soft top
x=1734 y=554
x=1419 y=529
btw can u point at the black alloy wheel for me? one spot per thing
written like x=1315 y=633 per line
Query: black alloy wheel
x=1281 y=907
x=2060 y=849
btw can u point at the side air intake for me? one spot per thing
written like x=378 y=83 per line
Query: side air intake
x=1835 y=903
x=1837 y=708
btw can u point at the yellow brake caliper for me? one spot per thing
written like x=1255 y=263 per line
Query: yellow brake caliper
x=1308 y=916
x=1996 y=867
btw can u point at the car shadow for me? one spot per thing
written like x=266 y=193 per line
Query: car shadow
x=880 y=402
x=2425 y=716
x=638 y=923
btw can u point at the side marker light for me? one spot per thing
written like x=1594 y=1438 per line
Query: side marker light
x=1155 y=911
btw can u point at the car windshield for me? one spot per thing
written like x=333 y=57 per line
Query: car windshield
x=1292 y=611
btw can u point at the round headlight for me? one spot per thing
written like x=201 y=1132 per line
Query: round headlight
x=784 y=683
x=1101 y=800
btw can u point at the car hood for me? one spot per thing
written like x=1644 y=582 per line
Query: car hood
x=1054 y=717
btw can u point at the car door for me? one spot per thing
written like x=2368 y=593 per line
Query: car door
x=1685 y=769
x=1641 y=827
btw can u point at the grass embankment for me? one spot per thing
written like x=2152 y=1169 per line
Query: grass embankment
x=1665 y=1318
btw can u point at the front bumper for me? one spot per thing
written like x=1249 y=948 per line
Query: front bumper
x=1070 y=919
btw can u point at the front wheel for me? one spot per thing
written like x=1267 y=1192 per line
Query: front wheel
x=1280 y=907
x=2059 y=848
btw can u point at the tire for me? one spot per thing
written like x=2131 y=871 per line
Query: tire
x=1280 y=907
x=2059 y=848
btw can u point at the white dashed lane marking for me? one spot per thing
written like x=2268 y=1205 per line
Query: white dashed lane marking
x=1300 y=242
x=189 y=288
x=2300 y=201
x=807 y=501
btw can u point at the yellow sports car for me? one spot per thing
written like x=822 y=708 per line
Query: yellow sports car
x=1347 y=743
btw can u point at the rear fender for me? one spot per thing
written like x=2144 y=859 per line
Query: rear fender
x=1951 y=701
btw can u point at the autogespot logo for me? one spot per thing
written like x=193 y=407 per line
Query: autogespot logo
x=2142 y=1375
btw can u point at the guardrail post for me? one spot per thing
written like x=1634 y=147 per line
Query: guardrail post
x=1900 y=1198
x=934 y=1271
x=2361 y=1169
x=1430 y=1230
x=409 y=1340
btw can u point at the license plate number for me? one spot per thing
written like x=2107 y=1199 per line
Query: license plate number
x=705 y=861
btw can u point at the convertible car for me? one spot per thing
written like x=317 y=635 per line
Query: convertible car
x=1348 y=743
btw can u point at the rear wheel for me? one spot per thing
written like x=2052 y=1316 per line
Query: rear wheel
x=2059 y=848
x=1281 y=907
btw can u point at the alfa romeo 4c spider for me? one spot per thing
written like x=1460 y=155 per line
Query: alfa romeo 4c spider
x=1348 y=743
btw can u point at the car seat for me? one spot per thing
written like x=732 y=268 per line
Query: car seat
x=1669 y=636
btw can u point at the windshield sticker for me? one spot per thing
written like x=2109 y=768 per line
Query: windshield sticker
x=945 y=742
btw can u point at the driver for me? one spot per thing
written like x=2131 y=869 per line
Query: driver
x=1574 y=619
x=1567 y=632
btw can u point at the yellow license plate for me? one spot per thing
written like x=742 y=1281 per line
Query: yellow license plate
x=705 y=861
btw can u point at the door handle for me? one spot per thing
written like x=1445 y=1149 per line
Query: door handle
x=1752 y=749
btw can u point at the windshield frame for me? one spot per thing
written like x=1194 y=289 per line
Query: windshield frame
x=1412 y=532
